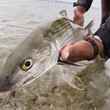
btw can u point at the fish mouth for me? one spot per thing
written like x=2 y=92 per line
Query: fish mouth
x=5 y=84
x=5 y=88
x=9 y=83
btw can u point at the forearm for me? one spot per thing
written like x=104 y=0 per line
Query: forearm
x=84 y=3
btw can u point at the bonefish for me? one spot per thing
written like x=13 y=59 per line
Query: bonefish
x=38 y=53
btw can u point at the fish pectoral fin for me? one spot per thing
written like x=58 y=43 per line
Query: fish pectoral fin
x=88 y=27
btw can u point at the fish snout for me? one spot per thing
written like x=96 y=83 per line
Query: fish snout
x=5 y=84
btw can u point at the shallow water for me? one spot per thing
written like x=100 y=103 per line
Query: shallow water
x=17 y=19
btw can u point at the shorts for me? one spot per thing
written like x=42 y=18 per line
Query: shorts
x=104 y=34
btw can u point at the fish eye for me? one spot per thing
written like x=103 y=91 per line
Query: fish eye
x=26 y=65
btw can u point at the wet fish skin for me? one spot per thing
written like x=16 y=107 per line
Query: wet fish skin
x=38 y=48
x=8 y=76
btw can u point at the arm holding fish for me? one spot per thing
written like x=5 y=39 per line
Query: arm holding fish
x=80 y=7
x=90 y=47
x=86 y=49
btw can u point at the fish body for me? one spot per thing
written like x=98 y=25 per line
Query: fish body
x=38 y=53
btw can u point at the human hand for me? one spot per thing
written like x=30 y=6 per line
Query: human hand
x=81 y=50
x=78 y=15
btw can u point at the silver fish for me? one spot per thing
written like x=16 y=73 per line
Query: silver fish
x=38 y=53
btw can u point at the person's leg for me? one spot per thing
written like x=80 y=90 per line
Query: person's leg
x=105 y=10
x=104 y=34
x=104 y=18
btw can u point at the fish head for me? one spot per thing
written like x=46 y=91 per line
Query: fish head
x=27 y=62
x=35 y=56
x=14 y=72
x=22 y=70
